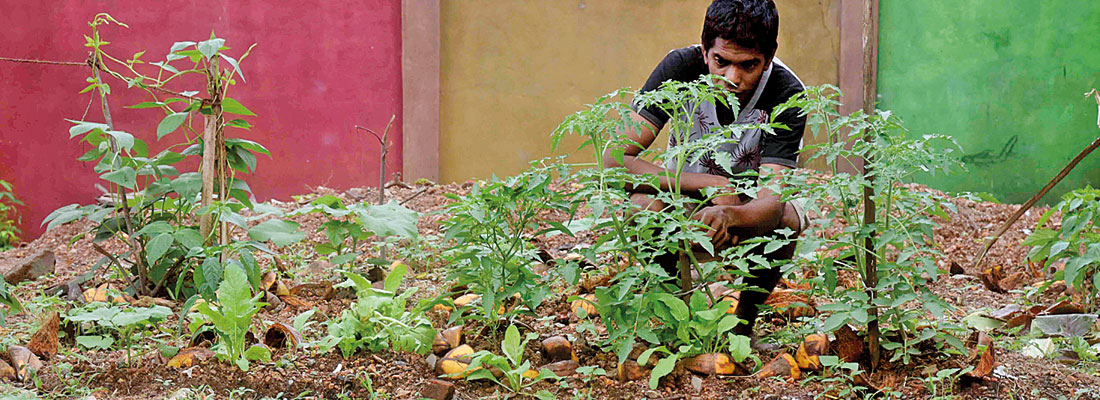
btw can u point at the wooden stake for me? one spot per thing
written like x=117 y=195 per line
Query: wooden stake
x=870 y=43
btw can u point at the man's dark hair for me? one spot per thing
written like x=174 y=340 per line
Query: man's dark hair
x=752 y=24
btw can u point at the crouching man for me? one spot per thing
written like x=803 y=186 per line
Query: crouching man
x=738 y=43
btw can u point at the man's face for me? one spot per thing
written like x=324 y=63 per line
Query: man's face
x=743 y=67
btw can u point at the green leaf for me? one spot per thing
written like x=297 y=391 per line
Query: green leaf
x=125 y=140
x=156 y=247
x=740 y=348
x=189 y=238
x=258 y=353
x=389 y=219
x=280 y=232
x=511 y=346
x=340 y=259
x=232 y=61
x=125 y=177
x=664 y=367
x=233 y=106
x=393 y=280
x=170 y=123
x=677 y=306
x=95 y=342
x=210 y=47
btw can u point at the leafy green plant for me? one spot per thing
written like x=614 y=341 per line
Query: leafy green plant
x=492 y=254
x=232 y=319
x=350 y=227
x=900 y=238
x=100 y=324
x=513 y=368
x=166 y=216
x=1077 y=242
x=645 y=302
x=379 y=320
x=9 y=233
x=9 y=301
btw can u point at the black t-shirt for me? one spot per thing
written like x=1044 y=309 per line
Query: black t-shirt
x=686 y=65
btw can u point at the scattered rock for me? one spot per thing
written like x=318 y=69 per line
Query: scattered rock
x=31 y=268
x=847 y=345
x=24 y=361
x=7 y=373
x=357 y=194
x=697 y=383
x=783 y=365
x=438 y=390
x=563 y=368
x=320 y=267
x=587 y=303
x=431 y=360
x=44 y=342
x=791 y=303
x=711 y=364
x=630 y=371
x=810 y=350
x=455 y=363
x=188 y=356
x=558 y=348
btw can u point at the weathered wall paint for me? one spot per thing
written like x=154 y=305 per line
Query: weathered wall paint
x=511 y=70
x=319 y=69
x=1005 y=79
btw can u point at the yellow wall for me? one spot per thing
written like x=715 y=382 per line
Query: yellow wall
x=511 y=70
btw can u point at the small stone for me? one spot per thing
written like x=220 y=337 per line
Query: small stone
x=431 y=360
x=697 y=383
x=320 y=267
x=30 y=268
x=438 y=390
x=356 y=194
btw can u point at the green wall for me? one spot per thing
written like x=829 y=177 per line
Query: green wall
x=1006 y=78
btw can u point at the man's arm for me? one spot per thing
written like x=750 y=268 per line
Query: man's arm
x=644 y=136
x=761 y=216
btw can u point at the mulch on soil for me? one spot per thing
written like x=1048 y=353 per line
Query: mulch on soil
x=403 y=375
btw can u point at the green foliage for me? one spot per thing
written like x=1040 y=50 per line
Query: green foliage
x=1077 y=242
x=100 y=324
x=379 y=320
x=7 y=299
x=490 y=228
x=348 y=227
x=512 y=366
x=646 y=303
x=901 y=235
x=232 y=319
x=9 y=233
x=154 y=206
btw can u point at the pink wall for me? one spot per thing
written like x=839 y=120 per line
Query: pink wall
x=319 y=69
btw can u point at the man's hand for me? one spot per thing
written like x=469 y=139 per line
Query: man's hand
x=720 y=219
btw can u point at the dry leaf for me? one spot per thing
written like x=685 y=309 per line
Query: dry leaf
x=957 y=269
x=323 y=290
x=281 y=335
x=466 y=299
x=44 y=342
x=783 y=365
x=711 y=364
x=296 y=302
x=984 y=353
x=991 y=278
x=188 y=356
x=808 y=352
x=280 y=289
x=268 y=281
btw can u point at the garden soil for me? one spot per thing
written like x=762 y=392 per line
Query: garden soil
x=76 y=372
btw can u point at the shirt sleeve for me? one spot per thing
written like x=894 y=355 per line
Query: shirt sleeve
x=672 y=67
x=782 y=147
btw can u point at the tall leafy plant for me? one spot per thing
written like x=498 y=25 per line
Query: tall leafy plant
x=9 y=218
x=1076 y=242
x=901 y=235
x=154 y=205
